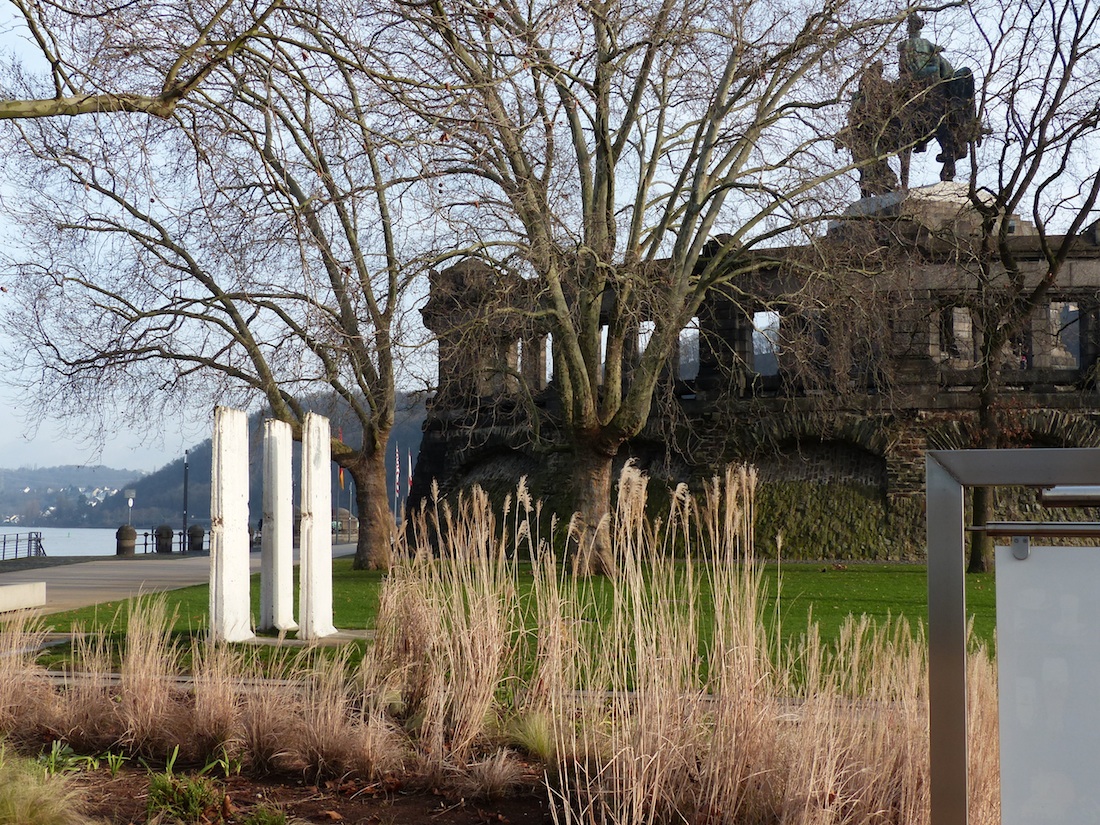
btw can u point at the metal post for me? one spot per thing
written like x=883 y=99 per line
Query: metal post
x=185 y=468
x=947 y=474
x=946 y=646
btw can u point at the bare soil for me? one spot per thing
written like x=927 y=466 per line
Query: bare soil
x=123 y=800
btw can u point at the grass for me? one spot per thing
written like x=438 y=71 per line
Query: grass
x=679 y=691
x=880 y=591
x=30 y=795
x=827 y=592
x=354 y=601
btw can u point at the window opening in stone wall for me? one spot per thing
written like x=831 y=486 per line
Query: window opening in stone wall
x=688 y=368
x=1019 y=352
x=603 y=352
x=549 y=358
x=1065 y=318
x=765 y=343
x=957 y=339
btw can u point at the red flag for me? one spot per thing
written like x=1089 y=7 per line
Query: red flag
x=340 y=436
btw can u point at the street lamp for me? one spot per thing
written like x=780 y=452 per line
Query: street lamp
x=185 y=452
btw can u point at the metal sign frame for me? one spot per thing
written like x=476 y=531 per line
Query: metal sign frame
x=947 y=474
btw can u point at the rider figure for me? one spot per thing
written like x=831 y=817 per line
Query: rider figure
x=950 y=95
x=871 y=109
x=921 y=59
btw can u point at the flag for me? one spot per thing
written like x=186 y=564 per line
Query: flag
x=340 y=436
x=408 y=488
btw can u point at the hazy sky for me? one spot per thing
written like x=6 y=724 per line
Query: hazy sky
x=53 y=443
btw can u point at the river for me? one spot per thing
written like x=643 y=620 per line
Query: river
x=78 y=541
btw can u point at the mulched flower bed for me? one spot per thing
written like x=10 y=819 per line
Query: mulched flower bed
x=123 y=800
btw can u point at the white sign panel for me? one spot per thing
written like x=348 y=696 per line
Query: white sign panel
x=1048 y=663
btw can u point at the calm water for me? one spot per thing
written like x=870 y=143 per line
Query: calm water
x=76 y=541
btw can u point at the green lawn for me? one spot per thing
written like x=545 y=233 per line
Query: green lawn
x=877 y=590
x=354 y=603
x=827 y=592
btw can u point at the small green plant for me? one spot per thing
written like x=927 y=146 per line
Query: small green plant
x=265 y=815
x=62 y=759
x=169 y=763
x=115 y=761
x=533 y=733
x=184 y=799
x=223 y=763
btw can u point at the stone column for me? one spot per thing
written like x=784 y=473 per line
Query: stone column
x=229 y=568
x=277 y=535
x=533 y=362
x=315 y=570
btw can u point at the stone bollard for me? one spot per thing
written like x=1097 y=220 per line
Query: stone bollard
x=125 y=539
x=195 y=535
x=163 y=535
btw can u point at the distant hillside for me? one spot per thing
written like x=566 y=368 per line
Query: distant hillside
x=67 y=493
x=64 y=476
x=158 y=496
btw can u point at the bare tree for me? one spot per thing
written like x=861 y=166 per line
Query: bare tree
x=592 y=149
x=93 y=50
x=1040 y=68
x=247 y=245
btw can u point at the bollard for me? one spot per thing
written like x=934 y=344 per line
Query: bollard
x=164 y=537
x=125 y=539
x=195 y=535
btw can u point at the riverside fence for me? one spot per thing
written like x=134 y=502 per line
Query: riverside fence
x=21 y=545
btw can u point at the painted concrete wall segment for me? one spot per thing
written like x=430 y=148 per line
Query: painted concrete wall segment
x=229 y=545
x=315 y=571
x=277 y=530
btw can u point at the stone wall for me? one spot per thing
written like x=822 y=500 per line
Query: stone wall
x=840 y=450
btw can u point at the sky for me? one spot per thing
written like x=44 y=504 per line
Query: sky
x=30 y=439
x=54 y=443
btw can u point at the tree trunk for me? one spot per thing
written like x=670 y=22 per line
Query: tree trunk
x=981 y=544
x=592 y=496
x=374 y=550
x=981 y=498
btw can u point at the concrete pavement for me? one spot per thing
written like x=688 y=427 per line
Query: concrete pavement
x=106 y=579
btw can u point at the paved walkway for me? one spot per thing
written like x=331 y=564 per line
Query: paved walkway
x=99 y=579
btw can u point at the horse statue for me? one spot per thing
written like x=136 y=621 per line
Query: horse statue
x=930 y=100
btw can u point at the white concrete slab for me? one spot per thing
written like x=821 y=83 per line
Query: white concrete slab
x=315 y=570
x=277 y=542
x=230 y=605
x=22 y=596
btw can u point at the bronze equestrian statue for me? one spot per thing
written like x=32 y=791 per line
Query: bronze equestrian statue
x=929 y=100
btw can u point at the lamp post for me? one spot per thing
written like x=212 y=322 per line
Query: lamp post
x=185 y=468
x=130 y=506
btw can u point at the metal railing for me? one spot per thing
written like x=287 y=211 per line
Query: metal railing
x=25 y=545
x=146 y=541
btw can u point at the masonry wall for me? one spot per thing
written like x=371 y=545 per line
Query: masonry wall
x=840 y=461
